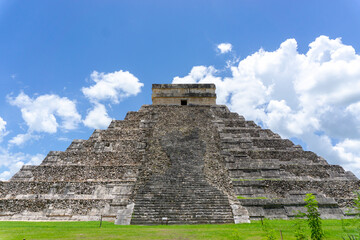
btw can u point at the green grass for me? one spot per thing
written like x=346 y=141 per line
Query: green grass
x=91 y=230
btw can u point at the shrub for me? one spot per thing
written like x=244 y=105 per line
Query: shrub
x=300 y=226
x=269 y=231
x=313 y=217
x=354 y=226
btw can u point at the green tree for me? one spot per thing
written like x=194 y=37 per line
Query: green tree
x=313 y=217
x=300 y=226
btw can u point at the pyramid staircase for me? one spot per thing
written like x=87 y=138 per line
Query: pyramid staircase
x=271 y=176
x=93 y=178
x=175 y=165
x=181 y=195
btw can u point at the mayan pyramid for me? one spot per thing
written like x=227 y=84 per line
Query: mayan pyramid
x=182 y=159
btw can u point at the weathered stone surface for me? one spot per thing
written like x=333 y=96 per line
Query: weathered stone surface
x=183 y=94
x=177 y=164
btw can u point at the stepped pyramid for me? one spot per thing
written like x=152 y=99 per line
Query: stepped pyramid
x=181 y=160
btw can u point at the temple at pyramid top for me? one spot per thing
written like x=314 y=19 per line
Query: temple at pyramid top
x=183 y=94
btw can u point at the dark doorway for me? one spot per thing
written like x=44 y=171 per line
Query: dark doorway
x=183 y=102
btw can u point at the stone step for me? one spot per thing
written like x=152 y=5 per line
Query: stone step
x=76 y=145
x=286 y=212
x=253 y=164
x=329 y=187
x=67 y=196
x=124 y=124
x=234 y=122
x=254 y=173
x=237 y=123
x=187 y=186
x=180 y=215
x=135 y=115
x=181 y=218
x=93 y=158
x=180 y=221
x=291 y=201
x=76 y=173
x=197 y=203
x=38 y=205
x=239 y=132
x=282 y=155
x=246 y=143
x=11 y=189
x=242 y=182
x=319 y=171
x=272 y=143
x=113 y=134
x=180 y=210
x=249 y=191
x=231 y=143
x=117 y=145
x=183 y=193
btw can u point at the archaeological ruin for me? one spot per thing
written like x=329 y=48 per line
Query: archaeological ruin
x=182 y=160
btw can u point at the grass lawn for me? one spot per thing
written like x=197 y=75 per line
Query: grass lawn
x=90 y=230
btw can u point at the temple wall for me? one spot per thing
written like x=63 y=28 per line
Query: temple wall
x=183 y=94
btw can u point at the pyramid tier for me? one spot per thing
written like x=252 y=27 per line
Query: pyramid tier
x=177 y=165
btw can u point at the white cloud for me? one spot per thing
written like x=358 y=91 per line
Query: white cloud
x=354 y=109
x=314 y=96
x=20 y=139
x=97 y=117
x=112 y=86
x=47 y=113
x=204 y=74
x=65 y=139
x=348 y=152
x=10 y=162
x=351 y=148
x=3 y=131
x=224 y=47
x=5 y=175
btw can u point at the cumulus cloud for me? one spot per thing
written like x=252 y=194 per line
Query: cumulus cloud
x=112 y=86
x=10 y=162
x=349 y=150
x=314 y=96
x=203 y=74
x=3 y=131
x=46 y=113
x=224 y=47
x=20 y=139
x=97 y=117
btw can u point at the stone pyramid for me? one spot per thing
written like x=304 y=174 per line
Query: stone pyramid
x=181 y=160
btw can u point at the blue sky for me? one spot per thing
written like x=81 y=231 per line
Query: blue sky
x=67 y=67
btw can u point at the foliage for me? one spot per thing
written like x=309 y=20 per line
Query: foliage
x=300 y=226
x=355 y=224
x=269 y=231
x=313 y=217
x=350 y=237
x=357 y=203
